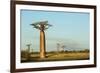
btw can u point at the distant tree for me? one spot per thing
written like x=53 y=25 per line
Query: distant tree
x=28 y=51
x=58 y=47
x=63 y=48
x=86 y=50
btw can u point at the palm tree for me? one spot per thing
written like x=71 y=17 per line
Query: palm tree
x=43 y=25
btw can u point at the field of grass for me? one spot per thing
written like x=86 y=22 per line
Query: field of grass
x=54 y=56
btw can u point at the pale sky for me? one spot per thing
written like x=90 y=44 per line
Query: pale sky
x=68 y=28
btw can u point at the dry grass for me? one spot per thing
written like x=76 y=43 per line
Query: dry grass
x=34 y=57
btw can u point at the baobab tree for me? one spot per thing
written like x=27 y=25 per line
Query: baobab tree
x=63 y=47
x=58 y=47
x=28 y=51
x=42 y=26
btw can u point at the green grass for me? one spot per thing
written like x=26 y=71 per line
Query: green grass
x=54 y=56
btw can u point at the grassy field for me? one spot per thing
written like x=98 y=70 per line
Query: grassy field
x=52 y=56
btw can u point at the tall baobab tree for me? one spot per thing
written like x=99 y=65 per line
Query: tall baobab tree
x=42 y=26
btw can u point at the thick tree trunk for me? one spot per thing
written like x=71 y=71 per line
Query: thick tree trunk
x=42 y=44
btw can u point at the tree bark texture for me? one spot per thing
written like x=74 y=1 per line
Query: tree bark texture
x=42 y=44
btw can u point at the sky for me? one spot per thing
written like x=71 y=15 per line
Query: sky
x=68 y=28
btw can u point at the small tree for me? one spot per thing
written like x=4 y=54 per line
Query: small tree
x=63 y=47
x=28 y=51
x=58 y=47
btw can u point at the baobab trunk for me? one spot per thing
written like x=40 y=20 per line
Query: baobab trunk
x=42 y=44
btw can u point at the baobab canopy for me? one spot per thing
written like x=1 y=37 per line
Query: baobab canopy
x=42 y=25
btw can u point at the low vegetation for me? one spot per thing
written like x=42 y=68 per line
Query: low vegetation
x=55 y=56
